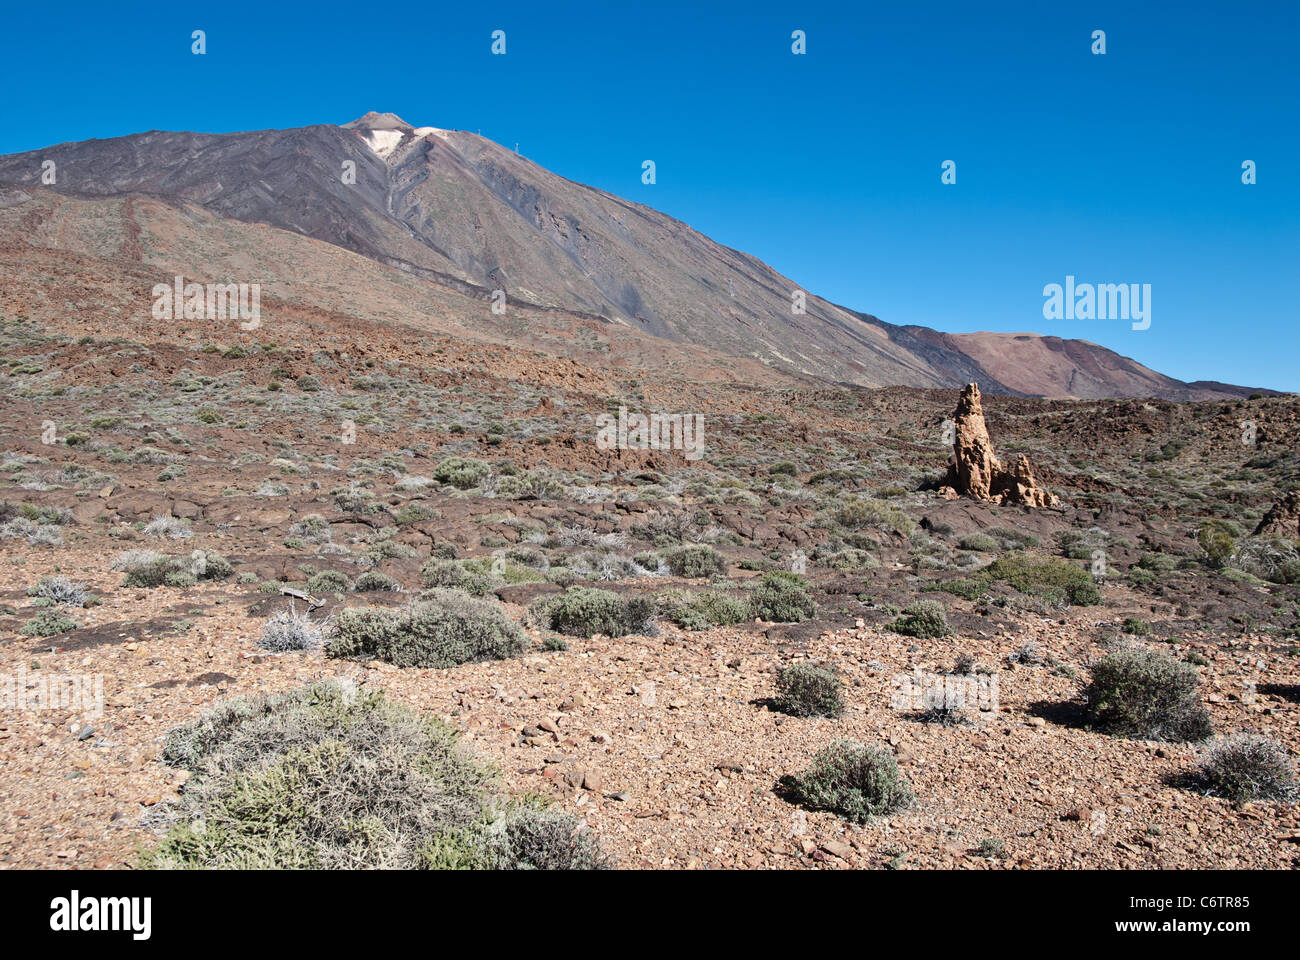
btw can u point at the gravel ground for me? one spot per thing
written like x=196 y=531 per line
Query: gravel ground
x=664 y=744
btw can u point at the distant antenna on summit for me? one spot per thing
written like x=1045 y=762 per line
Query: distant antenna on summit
x=516 y=148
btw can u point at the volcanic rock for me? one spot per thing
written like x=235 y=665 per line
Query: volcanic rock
x=1282 y=519
x=975 y=470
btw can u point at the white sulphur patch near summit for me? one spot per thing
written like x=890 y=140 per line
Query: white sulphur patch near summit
x=383 y=142
x=425 y=131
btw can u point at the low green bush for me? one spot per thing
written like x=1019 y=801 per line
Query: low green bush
x=583 y=611
x=979 y=542
x=701 y=610
x=332 y=777
x=329 y=581
x=856 y=781
x=1147 y=694
x=695 y=560
x=373 y=580
x=1055 y=580
x=442 y=629
x=463 y=473
x=48 y=623
x=854 y=513
x=924 y=619
x=783 y=598
x=809 y=690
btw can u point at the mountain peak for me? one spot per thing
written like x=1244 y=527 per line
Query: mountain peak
x=383 y=133
x=379 y=121
x=473 y=219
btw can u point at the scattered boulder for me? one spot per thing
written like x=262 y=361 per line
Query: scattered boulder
x=976 y=472
x=1282 y=519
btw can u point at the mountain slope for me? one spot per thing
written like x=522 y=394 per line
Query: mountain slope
x=464 y=213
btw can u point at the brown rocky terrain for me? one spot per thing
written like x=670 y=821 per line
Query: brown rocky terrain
x=665 y=741
x=171 y=488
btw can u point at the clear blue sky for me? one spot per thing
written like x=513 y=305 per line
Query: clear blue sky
x=1117 y=168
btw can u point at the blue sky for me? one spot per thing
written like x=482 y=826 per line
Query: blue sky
x=1122 y=168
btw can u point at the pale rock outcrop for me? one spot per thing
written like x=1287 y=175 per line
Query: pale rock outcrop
x=975 y=470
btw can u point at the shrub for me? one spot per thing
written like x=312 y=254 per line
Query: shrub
x=1149 y=694
x=979 y=542
x=993 y=847
x=290 y=630
x=1217 y=541
x=528 y=556
x=171 y=528
x=583 y=611
x=858 y=512
x=851 y=779
x=373 y=580
x=967 y=588
x=695 y=560
x=208 y=414
x=1080 y=544
x=148 y=568
x=809 y=690
x=783 y=598
x=1027 y=653
x=1136 y=627
x=47 y=623
x=312 y=528
x=533 y=485
x=461 y=472
x=329 y=581
x=414 y=513
x=1055 y=580
x=444 y=628
x=495 y=570
x=38 y=535
x=330 y=777
x=449 y=573
x=207 y=565
x=354 y=500
x=1274 y=560
x=1246 y=767
x=849 y=558
x=384 y=549
x=924 y=619
x=782 y=468
x=61 y=590
x=1157 y=561
x=705 y=609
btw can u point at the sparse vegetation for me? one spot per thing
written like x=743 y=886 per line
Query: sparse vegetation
x=1147 y=694
x=809 y=690
x=923 y=619
x=583 y=611
x=696 y=560
x=332 y=777
x=442 y=629
x=1246 y=767
x=148 y=568
x=783 y=598
x=47 y=623
x=856 y=781
x=1057 y=581
x=290 y=630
